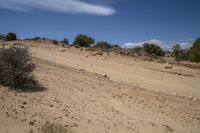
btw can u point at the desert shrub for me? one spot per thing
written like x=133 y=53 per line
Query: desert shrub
x=103 y=45
x=39 y=38
x=178 y=53
x=153 y=49
x=83 y=41
x=52 y=128
x=36 y=38
x=11 y=36
x=137 y=49
x=15 y=65
x=194 y=52
x=115 y=46
x=2 y=36
x=65 y=41
x=55 y=42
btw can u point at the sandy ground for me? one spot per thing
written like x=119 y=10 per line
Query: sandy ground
x=135 y=97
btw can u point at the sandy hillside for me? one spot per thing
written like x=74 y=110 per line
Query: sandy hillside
x=135 y=96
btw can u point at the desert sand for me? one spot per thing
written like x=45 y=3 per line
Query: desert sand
x=103 y=94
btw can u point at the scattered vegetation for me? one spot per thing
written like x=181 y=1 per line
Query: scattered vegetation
x=83 y=41
x=137 y=49
x=15 y=65
x=103 y=45
x=51 y=128
x=153 y=49
x=2 y=36
x=65 y=41
x=178 y=53
x=11 y=36
x=194 y=52
x=37 y=38
x=55 y=41
x=150 y=49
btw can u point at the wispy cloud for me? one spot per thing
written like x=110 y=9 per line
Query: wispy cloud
x=65 y=6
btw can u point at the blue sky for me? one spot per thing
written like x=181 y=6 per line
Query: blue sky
x=129 y=22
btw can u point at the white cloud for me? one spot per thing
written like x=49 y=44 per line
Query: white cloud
x=140 y=43
x=185 y=45
x=65 y=6
x=164 y=45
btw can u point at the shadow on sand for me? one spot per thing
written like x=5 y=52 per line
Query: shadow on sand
x=30 y=85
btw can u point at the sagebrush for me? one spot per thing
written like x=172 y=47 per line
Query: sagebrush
x=16 y=66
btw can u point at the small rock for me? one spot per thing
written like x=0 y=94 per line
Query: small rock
x=194 y=99
x=105 y=76
x=22 y=106
x=66 y=125
x=51 y=105
x=63 y=50
x=168 y=128
x=168 y=67
x=24 y=103
x=174 y=94
x=31 y=123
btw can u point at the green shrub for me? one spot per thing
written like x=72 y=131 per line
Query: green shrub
x=103 y=45
x=194 y=52
x=137 y=49
x=83 y=41
x=11 y=36
x=178 y=53
x=36 y=38
x=2 y=36
x=153 y=49
x=65 y=41
x=54 y=42
x=15 y=65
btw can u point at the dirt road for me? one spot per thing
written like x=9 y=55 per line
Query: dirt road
x=153 y=76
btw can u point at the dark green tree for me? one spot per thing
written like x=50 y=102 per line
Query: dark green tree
x=11 y=36
x=194 y=52
x=83 y=41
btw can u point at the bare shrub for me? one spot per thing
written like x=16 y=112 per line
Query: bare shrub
x=15 y=65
